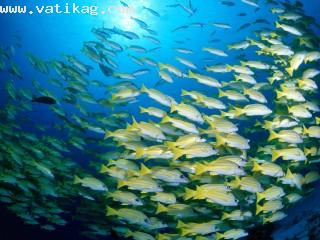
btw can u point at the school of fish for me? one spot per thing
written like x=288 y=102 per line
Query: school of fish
x=205 y=165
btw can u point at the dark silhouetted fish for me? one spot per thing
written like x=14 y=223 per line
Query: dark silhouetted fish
x=244 y=26
x=44 y=100
x=228 y=3
x=106 y=70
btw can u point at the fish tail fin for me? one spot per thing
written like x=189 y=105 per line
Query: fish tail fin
x=246 y=91
x=289 y=174
x=143 y=88
x=275 y=155
x=134 y=122
x=121 y=183
x=273 y=135
x=290 y=70
x=161 y=66
x=207 y=118
x=132 y=173
x=237 y=180
x=165 y=119
x=184 y=93
x=111 y=211
x=139 y=152
x=233 y=184
x=219 y=236
x=307 y=151
x=258 y=209
x=189 y=193
x=128 y=233
x=219 y=140
x=161 y=208
x=225 y=216
x=113 y=97
x=258 y=123
x=177 y=153
x=221 y=93
x=191 y=74
x=76 y=180
x=104 y=169
x=256 y=167
x=200 y=99
x=107 y=134
x=265 y=220
x=143 y=110
x=223 y=113
x=111 y=162
x=259 y=197
x=267 y=124
x=181 y=224
x=173 y=108
x=144 y=170
x=161 y=237
x=305 y=130
x=259 y=52
x=238 y=111
x=201 y=168
x=237 y=78
x=279 y=94
x=184 y=232
x=200 y=193
x=229 y=68
x=278 y=25
x=289 y=109
x=170 y=145
x=271 y=80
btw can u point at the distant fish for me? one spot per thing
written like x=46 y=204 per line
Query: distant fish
x=106 y=70
x=141 y=23
x=251 y=3
x=124 y=4
x=189 y=9
x=153 y=12
x=179 y=28
x=154 y=49
x=221 y=25
x=242 y=14
x=261 y=21
x=244 y=26
x=213 y=33
x=228 y=3
x=44 y=100
x=215 y=40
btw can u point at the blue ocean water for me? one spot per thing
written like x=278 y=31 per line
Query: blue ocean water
x=50 y=36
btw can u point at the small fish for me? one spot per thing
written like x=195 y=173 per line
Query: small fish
x=232 y=234
x=91 y=183
x=130 y=215
x=228 y=3
x=44 y=100
x=269 y=206
x=269 y=169
x=153 y=12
